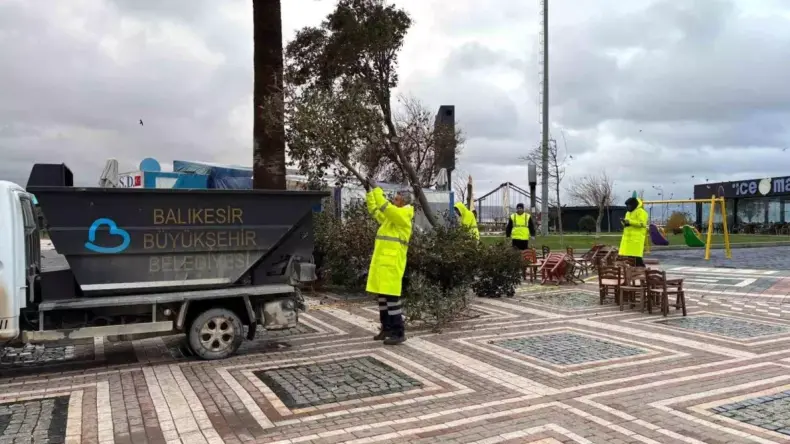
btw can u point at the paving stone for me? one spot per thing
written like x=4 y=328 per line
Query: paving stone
x=317 y=384
x=769 y=258
x=571 y=300
x=568 y=348
x=36 y=354
x=727 y=326
x=35 y=421
x=771 y=413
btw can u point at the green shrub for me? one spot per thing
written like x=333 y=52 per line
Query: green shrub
x=443 y=264
x=500 y=270
x=425 y=302
x=345 y=245
x=587 y=223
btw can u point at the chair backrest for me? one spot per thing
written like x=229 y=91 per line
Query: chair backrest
x=590 y=254
x=635 y=273
x=609 y=272
x=530 y=255
x=630 y=261
x=655 y=278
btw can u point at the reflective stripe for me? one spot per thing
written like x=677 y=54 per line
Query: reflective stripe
x=395 y=312
x=392 y=239
x=384 y=207
x=393 y=304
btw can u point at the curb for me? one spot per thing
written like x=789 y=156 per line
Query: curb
x=721 y=246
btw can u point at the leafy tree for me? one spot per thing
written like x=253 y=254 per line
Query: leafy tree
x=587 y=223
x=676 y=221
x=338 y=98
x=420 y=140
x=268 y=158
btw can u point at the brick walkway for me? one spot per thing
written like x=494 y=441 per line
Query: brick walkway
x=548 y=366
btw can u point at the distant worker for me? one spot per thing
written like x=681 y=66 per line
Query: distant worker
x=520 y=228
x=385 y=276
x=467 y=218
x=634 y=231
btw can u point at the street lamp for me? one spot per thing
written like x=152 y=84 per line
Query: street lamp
x=532 y=176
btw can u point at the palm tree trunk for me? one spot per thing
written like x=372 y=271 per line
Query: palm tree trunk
x=268 y=155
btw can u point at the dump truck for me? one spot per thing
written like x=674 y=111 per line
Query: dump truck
x=213 y=264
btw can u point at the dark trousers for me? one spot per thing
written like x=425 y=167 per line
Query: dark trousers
x=521 y=244
x=391 y=315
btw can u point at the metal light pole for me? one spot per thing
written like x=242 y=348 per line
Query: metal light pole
x=532 y=175
x=544 y=195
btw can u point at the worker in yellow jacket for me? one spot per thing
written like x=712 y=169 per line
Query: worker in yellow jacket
x=385 y=276
x=467 y=219
x=634 y=231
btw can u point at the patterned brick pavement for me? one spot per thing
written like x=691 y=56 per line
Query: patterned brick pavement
x=550 y=365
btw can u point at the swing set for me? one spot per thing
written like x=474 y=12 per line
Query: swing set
x=692 y=236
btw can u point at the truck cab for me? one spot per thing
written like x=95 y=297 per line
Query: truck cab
x=20 y=256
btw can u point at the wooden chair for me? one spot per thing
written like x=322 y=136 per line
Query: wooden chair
x=659 y=288
x=605 y=256
x=610 y=279
x=574 y=269
x=635 y=288
x=553 y=268
x=531 y=256
x=587 y=261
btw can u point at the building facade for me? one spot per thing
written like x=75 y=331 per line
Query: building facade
x=757 y=202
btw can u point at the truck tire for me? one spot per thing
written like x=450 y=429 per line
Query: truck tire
x=215 y=334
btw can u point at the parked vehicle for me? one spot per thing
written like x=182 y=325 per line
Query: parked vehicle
x=139 y=261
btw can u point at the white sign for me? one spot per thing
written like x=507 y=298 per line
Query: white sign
x=130 y=180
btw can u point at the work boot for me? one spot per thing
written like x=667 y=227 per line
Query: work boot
x=395 y=340
x=382 y=335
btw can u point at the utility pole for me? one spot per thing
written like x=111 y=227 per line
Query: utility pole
x=544 y=195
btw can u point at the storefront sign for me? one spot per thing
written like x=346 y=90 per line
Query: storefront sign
x=744 y=188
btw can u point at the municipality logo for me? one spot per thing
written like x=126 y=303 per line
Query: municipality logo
x=117 y=241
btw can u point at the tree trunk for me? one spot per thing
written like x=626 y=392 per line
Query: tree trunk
x=598 y=222
x=411 y=174
x=268 y=152
x=559 y=209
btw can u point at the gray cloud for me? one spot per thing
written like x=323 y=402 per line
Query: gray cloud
x=652 y=91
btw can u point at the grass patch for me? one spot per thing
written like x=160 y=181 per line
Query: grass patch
x=585 y=241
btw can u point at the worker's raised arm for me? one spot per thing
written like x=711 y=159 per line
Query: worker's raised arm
x=373 y=207
x=398 y=216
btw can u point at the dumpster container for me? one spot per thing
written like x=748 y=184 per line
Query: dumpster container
x=147 y=240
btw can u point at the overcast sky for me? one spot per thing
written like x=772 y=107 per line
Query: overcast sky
x=658 y=93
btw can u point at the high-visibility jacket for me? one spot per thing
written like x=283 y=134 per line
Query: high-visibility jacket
x=634 y=235
x=520 y=226
x=468 y=219
x=388 y=263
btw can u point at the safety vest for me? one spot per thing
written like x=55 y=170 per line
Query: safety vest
x=390 y=252
x=520 y=226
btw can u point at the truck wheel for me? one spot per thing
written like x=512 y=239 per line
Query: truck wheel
x=215 y=334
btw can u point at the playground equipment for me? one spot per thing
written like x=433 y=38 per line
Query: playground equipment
x=692 y=237
x=657 y=235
